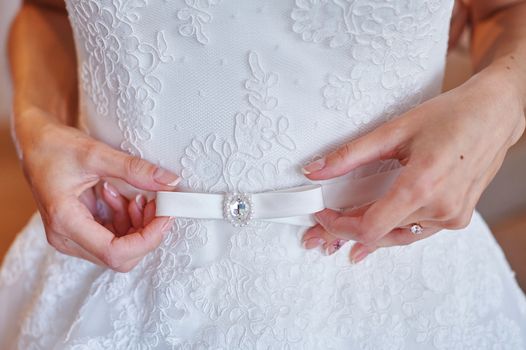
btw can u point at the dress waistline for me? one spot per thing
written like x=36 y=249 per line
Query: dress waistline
x=295 y=205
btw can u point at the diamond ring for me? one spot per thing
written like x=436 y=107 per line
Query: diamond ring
x=416 y=229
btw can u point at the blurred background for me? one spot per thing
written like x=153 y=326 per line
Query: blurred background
x=503 y=204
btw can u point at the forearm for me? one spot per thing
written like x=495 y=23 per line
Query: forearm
x=43 y=65
x=498 y=45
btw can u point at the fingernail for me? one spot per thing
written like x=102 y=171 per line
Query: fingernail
x=358 y=255
x=312 y=243
x=140 y=200
x=168 y=225
x=334 y=246
x=111 y=190
x=314 y=166
x=165 y=177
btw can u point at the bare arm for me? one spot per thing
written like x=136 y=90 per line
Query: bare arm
x=43 y=63
x=498 y=43
x=451 y=145
x=65 y=168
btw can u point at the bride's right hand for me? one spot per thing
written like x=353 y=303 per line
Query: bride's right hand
x=63 y=166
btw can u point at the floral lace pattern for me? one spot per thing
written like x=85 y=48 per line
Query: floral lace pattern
x=117 y=60
x=374 y=34
x=210 y=285
x=239 y=164
x=255 y=294
x=195 y=16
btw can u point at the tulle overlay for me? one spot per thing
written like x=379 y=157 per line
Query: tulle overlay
x=236 y=96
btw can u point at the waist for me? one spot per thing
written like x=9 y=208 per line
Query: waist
x=294 y=205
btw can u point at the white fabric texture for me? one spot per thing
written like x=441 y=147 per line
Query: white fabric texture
x=236 y=96
x=293 y=205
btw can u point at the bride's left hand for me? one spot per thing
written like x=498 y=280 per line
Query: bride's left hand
x=451 y=147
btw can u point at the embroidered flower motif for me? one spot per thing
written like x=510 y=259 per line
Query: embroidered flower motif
x=318 y=20
x=252 y=133
x=104 y=67
x=202 y=164
x=239 y=163
x=118 y=64
x=195 y=17
x=259 y=177
x=374 y=35
x=128 y=10
x=217 y=288
x=252 y=288
x=134 y=107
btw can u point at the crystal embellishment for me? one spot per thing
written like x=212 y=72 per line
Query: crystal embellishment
x=238 y=209
x=416 y=229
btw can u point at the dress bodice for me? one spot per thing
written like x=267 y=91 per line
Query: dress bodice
x=240 y=94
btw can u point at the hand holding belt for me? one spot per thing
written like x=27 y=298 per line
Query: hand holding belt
x=294 y=205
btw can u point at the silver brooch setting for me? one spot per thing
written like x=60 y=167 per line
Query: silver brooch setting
x=238 y=209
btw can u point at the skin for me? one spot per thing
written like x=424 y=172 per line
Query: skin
x=66 y=169
x=451 y=146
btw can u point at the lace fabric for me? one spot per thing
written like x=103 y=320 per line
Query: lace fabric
x=237 y=95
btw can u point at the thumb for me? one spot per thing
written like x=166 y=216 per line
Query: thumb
x=382 y=143
x=134 y=170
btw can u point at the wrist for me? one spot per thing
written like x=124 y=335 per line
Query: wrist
x=506 y=79
x=499 y=92
x=29 y=127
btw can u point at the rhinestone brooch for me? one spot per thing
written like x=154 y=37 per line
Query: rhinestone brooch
x=238 y=209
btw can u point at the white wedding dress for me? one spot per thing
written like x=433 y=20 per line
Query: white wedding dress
x=238 y=95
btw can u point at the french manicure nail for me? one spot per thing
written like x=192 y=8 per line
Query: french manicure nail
x=110 y=189
x=165 y=177
x=312 y=243
x=140 y=200
x=314 y=166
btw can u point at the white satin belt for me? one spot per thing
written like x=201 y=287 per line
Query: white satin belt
x=294 y=205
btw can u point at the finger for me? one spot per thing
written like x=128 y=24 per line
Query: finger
x=103 y=214
x=68 y=247
x=356 y=211
x=360 y=251
x=456 y=212
x=397 y=237
x=333 y=245
x=136 y=245
x=337 y=224
x=318 y=235
x=410 y=192
x=149 y=213
x=327 y=217
x=358 y=225
x=130 y=265
x=403 y=198
x=89 y=199
x=134 y=170
x=109 y=227
x=136 y=210
x=119 y=207
x=111 y=250
x=404 y=236
x=314 y=237
x=381 y=143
